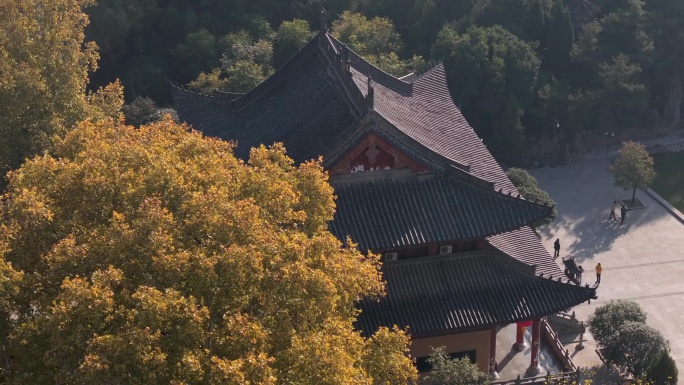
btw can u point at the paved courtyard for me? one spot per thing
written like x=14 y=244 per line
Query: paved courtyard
x=643 y=259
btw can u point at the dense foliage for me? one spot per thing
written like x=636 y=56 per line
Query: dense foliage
x=44 y=71
x=528 y=186
x=452 y=371
x=663 y=370
x=535 y=78
x=153 y=255
x=620 y=330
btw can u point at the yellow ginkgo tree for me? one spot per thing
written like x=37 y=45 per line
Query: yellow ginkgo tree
x=154 y=256
x=45 y=63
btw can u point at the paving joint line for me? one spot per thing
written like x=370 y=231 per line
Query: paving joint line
x=645 y=264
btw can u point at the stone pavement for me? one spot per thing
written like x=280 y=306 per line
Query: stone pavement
x=643 y=259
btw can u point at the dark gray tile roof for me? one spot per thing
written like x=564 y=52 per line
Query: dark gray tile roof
x=428 y=115
x=444 y=294
x=303 y=105
x=308 y=105
x=523 y=244
x=386 y=213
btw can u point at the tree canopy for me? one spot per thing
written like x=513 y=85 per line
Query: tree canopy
x=452 y=371
x=625 y=340
x=633 y=169
x=44 y=71
x=608 y=318
x=153 y=254
x=635 y=347
x=528 y=186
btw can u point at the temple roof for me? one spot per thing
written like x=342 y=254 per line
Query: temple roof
x=443 y=294
x=429 y=116
x=314 y=107
x=303 y=105
x=311 y=104
x=403 y=209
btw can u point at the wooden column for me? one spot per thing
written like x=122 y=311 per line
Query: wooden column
x=519 y=337
x=492 y=354
x=536 y=340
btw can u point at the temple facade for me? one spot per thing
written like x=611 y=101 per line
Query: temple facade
x=413 y=183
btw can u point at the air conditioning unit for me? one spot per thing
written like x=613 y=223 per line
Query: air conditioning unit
x=445 y=250
x=391 y=256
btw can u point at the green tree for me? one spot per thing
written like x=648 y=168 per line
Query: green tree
x=528 y=186
x=633 y=168
x=114 y=22
x=626 y=31
x=560 y=39
x=608 y=318
x=155 y=256
x=445 y=370
x=663 y=370
x=44 y=67
x=376 y=40
x=634 y=348
x=209 y=81
x=292 y=36
x=622 y=93
x=196 y=54
x=244 y=75
x=139 y=111
x=492 y=75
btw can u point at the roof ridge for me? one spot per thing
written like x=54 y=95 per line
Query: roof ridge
x=277 y=77
x=352 y=90
x=436 y=258
x=194 y=92
x=369 y=69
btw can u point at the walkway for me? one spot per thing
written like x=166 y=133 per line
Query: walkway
x=643 y=259
x=512 y=363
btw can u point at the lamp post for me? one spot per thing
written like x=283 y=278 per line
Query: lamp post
x=608 y=136
x=554 y=157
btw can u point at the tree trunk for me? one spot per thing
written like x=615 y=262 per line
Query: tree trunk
x=633 y=195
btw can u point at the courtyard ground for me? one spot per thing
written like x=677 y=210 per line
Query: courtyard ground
x=643 y=259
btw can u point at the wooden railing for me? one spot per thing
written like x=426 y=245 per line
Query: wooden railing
x=558 y=348
x=562 y=378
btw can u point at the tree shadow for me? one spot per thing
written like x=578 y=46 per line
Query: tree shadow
x=595 y=236
x=584 y=194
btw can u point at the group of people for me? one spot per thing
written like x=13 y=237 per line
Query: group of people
x=599 y=268
x=623 y=212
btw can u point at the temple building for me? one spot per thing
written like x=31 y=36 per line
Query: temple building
x=414 y=183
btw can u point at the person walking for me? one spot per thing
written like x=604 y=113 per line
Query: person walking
x=612 y=212
x=599 y=270
x=623 y=213
x=556 y=248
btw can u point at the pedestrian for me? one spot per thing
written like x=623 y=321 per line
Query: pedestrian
x=556 y=248
x=623 y=213
x=612 y=212
x=599 y=269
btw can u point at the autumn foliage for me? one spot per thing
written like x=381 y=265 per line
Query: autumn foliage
x=154 y=256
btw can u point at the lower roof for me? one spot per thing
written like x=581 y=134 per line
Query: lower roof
x=523 y=244
x=466 y=291
x=389 y=209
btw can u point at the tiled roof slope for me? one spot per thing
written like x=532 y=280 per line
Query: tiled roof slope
x=443 y=295
x=523 y=245
x=429 y=116
x=398 y=212
x=302 y=105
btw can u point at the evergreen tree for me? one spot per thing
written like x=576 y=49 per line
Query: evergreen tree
x=560 y=39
